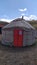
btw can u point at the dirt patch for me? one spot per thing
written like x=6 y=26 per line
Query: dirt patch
x=18 y=56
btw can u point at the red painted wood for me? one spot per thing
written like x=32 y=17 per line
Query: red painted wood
x=15 y=37
x=18 y=38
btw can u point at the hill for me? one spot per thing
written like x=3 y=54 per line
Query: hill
x=33 y=23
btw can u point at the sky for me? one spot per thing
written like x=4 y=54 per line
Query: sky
x=11 y=9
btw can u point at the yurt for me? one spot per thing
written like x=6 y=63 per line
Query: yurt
x=36 y=32
x=18 y=33
x=34 y=24
x=2 y=24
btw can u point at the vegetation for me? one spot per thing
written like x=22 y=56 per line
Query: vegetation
x=33 y=23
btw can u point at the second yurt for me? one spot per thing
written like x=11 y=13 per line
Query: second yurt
x=18 y=33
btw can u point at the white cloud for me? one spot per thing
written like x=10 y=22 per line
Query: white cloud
x=23 y=10
x=7 y=20
x=31 y=17
x=26 y=18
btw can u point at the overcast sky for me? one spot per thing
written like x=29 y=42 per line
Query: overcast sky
x=10 y=9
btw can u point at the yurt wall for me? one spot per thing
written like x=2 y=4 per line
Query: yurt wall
x=7 y=37
x=29 y=37
x=36 y=33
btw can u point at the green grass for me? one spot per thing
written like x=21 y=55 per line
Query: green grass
x=34 y=24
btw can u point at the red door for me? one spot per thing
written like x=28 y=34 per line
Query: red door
x=18 y=38
x=15 y=37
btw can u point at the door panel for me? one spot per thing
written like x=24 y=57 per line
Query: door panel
x=18 y=38
x=15 y=37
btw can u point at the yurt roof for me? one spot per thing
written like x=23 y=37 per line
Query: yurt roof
x=19 y=22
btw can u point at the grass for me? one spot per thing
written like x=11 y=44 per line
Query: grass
x=34 y=23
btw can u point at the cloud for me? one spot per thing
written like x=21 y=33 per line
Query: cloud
x=31 y=17
x=7 y=20
x=23 y=10
x=26 y=18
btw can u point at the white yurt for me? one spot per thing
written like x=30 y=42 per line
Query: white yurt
x=18 y=33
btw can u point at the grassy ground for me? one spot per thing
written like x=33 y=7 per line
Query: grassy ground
x=18 y=56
